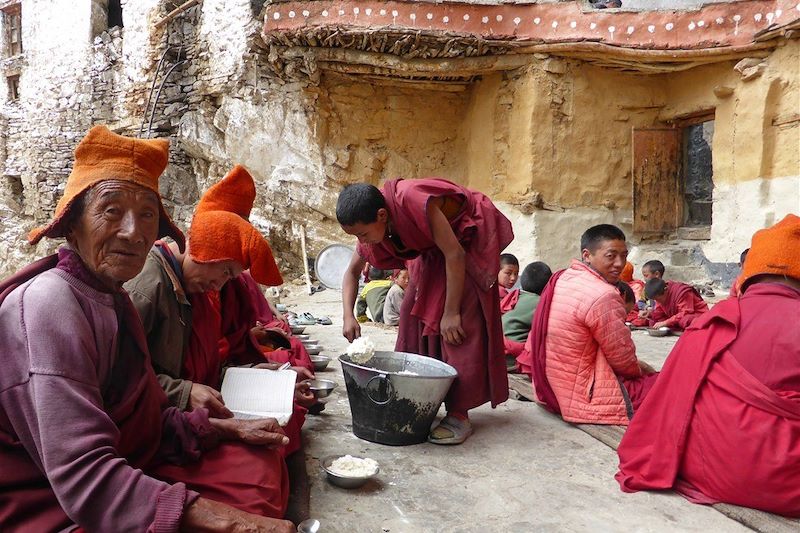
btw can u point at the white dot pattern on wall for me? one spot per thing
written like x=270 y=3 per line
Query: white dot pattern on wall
x=356 y=11
x=629 y=30
x=555 y=24
x=668 y=26
x=485 y=20
x=651 y=28
x=537 y=20
x=719 y=20
x=445 y=19
x=701 y=23
x=592 y=26
x=466 y=18
x=368 y=11
x=429 y=16
x=757 y=17
x=383 y=12
x=691 y=26
x=276 y=15
x=324 y=12
x=413 y=16
x=517 y=20
x=573 y=24
x=291 y=14
x=737 y=18
x=306 y=13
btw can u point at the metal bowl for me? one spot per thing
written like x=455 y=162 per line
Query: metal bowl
x=313 y=349
x=297 y=330
x=322 y=388
x=302 y=337
x=346 y=482
x=320 y=362
x=658 y=332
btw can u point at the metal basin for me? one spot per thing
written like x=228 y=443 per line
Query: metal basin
x=320 y=362
x=395 y=396
x=661 y=332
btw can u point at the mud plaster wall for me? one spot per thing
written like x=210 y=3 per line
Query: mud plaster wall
x=756 y=163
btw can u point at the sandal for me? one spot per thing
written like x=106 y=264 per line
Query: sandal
x=305 y=319
x=451 y=430
x=324 y=321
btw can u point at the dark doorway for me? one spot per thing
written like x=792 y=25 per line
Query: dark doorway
x=698 y=173
x=114 y=13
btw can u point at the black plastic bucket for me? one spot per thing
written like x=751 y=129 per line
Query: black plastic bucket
x=394 y=398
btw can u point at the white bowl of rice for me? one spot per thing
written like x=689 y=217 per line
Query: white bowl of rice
x=348 y=471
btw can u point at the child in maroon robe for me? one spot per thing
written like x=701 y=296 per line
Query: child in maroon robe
x=451 y=309
x=677 y=304
x=508 y=275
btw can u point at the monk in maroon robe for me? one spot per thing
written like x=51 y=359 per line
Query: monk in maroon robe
x=451 y=309
x=677 y=304
x=722 y=423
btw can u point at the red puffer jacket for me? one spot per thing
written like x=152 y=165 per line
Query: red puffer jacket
x=588 y=345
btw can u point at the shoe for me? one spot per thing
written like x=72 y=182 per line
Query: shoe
x=451 y=430
x=324 y=321
x=305 y=319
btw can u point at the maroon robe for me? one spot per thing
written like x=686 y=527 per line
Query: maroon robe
x=509 y=300
x=723 y=421
x=483 y=233
x=149 y=432
x=683 y=305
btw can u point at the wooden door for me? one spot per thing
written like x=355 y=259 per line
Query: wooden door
x=657 y=180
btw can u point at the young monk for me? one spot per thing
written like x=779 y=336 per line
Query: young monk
x=637 y=286
x=451 y=310
x=677 y=304
x=628 y=298
x=723 y=421
x=508 y=275
x=394 y=298
x=517 y=321
x=653 y=269
x=580 y=354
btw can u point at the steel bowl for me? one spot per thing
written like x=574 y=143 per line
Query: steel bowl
x=302 y=337
x=297 y=330
x=346 y=482
x=320 y=362
x=658 y=332
x=313 y=349
x=322 y=388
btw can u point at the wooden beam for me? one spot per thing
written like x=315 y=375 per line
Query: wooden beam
x=177 y=11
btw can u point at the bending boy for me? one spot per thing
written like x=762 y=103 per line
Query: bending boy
x=452 y=310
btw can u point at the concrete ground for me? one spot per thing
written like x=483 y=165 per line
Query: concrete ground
x=523 y=469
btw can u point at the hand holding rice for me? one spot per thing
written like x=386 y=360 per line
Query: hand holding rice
x=361 y=350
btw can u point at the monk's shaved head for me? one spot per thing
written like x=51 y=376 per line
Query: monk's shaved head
x=593 y=237
x=359 y=203
x=654 y=287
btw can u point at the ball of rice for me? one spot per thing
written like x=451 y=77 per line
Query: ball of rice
x=350 y=466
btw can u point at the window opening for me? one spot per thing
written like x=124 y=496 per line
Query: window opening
x=114 y=13
x=13 y=87
x=12 y=23
x=698 y=173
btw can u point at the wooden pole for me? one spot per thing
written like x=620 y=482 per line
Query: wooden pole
x=305 y=258
x=177 y=11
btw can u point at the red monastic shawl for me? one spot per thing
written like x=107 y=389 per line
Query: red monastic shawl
x=711 y=430
x=509 y=301
x=683 y=305
x=533 y=359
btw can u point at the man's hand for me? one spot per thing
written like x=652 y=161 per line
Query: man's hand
x=204 y=396
x=661 y=324
x=450 y=329
x=303 y=394
x=260 y=432
x=644 y=313
x=212 y=516
x=646 y=369
x=351 y=328
x=303 y=373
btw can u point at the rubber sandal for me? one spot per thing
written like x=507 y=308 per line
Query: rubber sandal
x=324 y=321
x=451 y=430
x=305 y=319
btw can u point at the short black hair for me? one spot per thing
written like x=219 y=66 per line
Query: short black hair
x=626 y=292
x=654 y=287
x=535 y=277
x=377 y=273
x=743 y=256
x=509 y=259
x=593 y=236
x=654 y=265
x=358 y=203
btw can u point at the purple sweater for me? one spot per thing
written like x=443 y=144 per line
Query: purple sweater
x=59 y=339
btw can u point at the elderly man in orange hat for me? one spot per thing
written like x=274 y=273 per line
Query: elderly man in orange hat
x=722 y=423
x=84 y=423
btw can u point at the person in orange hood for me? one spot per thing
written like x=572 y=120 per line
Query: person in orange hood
x=198 y=320
x=728 y=394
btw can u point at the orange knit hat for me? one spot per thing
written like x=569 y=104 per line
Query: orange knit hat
x=102 y=156
x=220 y=230
x=627 y=272
x=775 y=250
